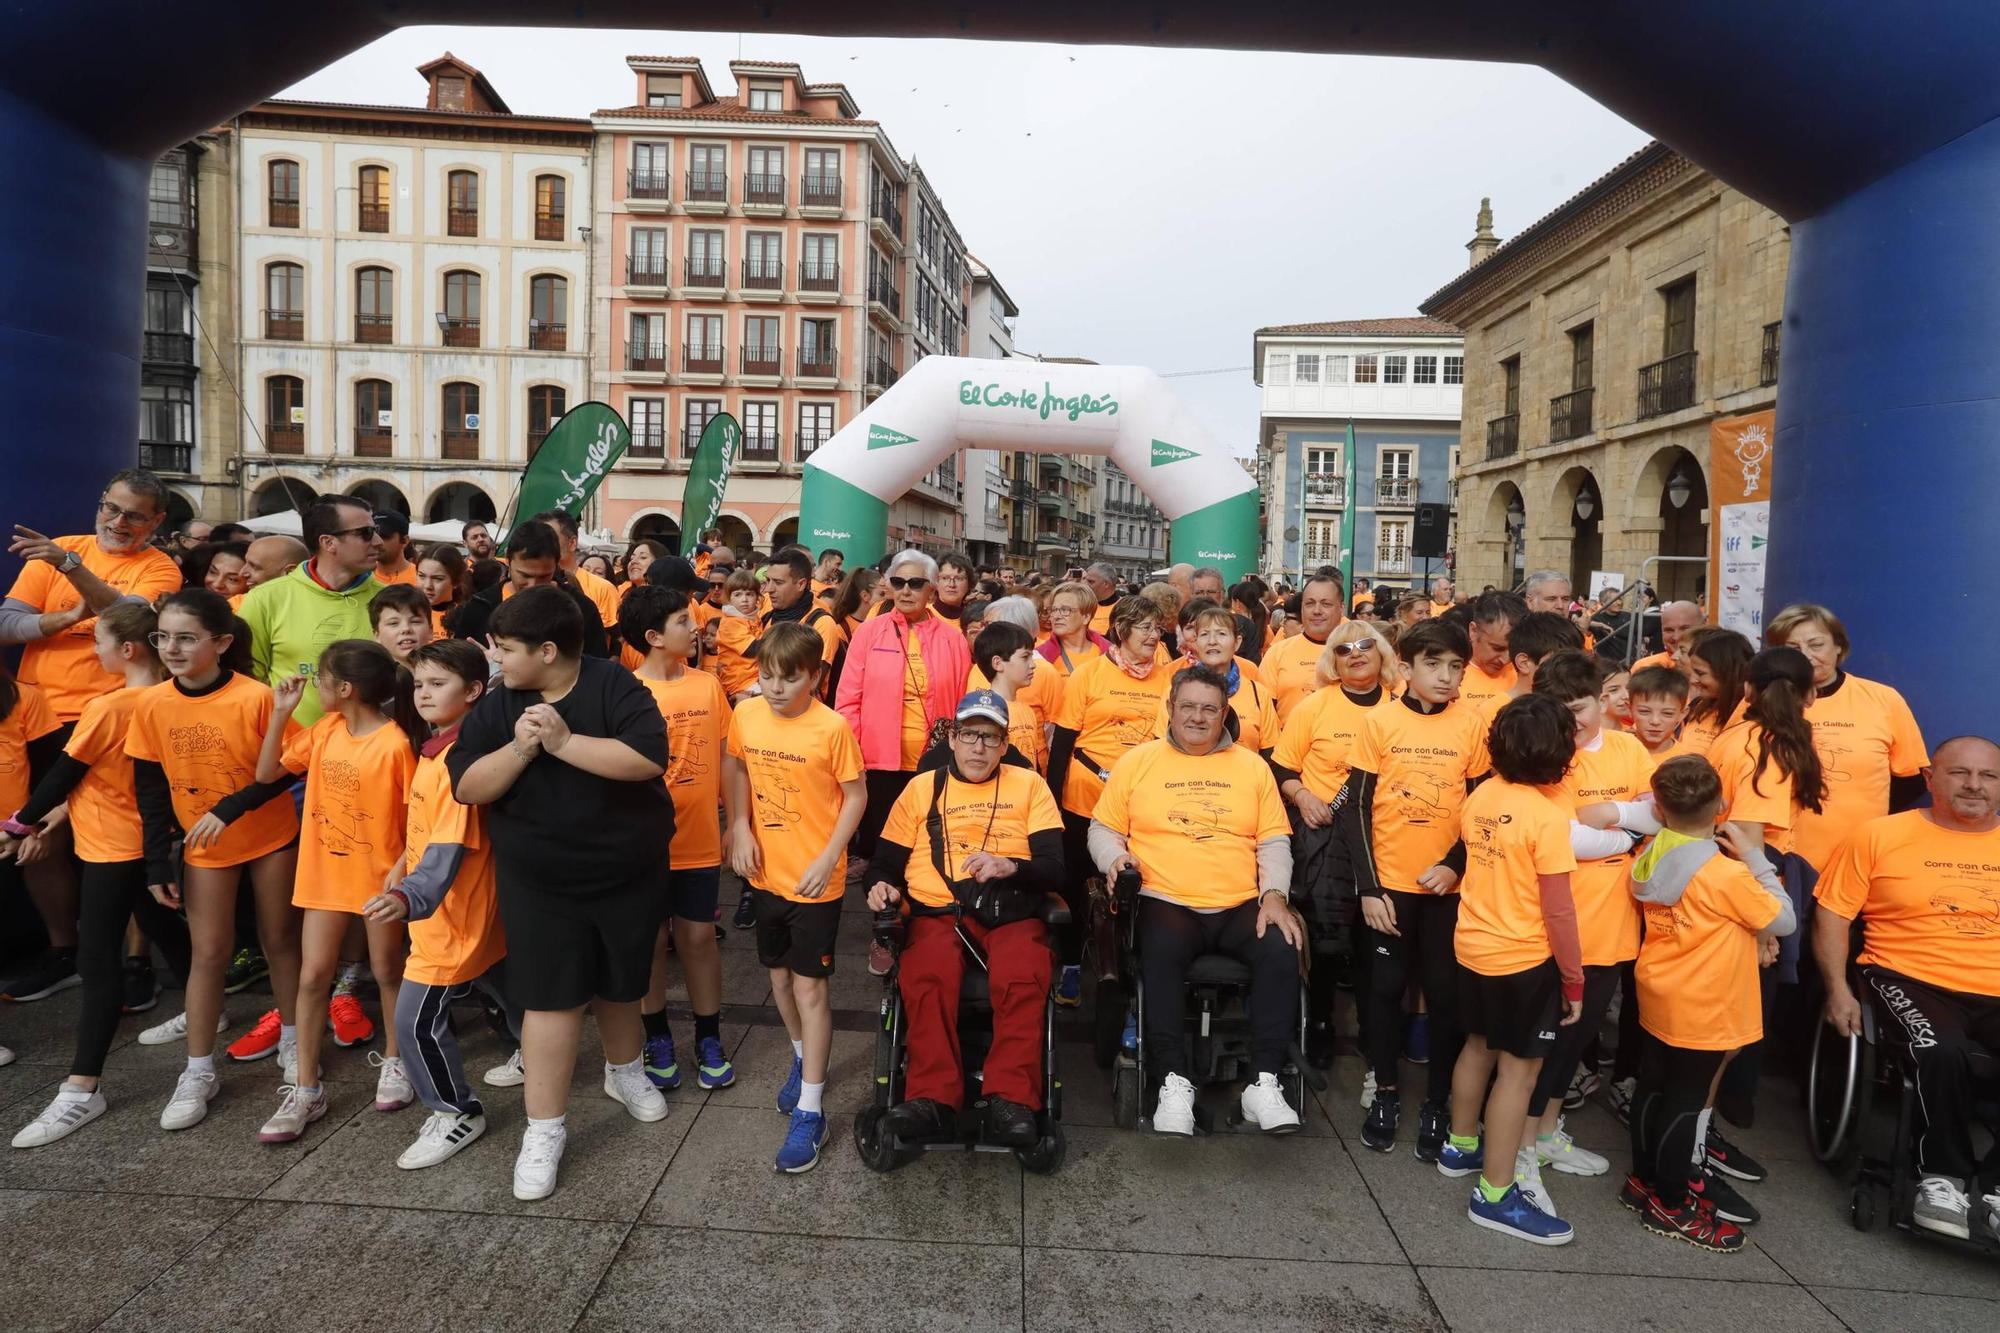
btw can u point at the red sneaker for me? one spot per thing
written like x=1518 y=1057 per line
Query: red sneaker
x=1695 y=1224
x=1636 y=1195
x=350 y=1023
x=259 y=1041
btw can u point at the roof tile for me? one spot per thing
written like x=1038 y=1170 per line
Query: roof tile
x=1400 y=327
x=727 y=108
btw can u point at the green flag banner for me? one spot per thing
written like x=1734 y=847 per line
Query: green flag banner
x=1347 y=514
x=708 y=478
x=573 y=461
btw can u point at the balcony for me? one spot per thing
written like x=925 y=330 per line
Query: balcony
x=648 y=441
x=1315 y=554
x=375 y=328
x=763 y=360
x=461 y=222
x=171 y=348
x=284 y=439
x=459 y=445
x=647 y=271
x=285 y=325
x=881 y=374
x=763 y=275
x=819 y=190
x=166 y=457
x=706 y=187
x=882 y=293
x=705 y=273
x=646 y=356
x=818 y=363
x=373 y=217
x=763 y=190
x=1667 y=385
x=1397 y=491
x=548 y=226
x=819 y=277
x=1392 y=560
x=1569 y=415
x=284 y=213
x=547 y=336
x=1767 y=370
x=759 y=447
x=702 y=358
x=883 y=209
x=690 y=438
x=1503 y=436
x=461 y=331
x=1326 y=488
x=809 y=442
x=374 y=442
x=647 y=187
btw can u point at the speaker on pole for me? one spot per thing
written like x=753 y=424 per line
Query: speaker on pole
x=1430 y=541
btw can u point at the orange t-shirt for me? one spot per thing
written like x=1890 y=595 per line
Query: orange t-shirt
x=463 y=938
x=103 y=810
x=1929 y=899
x=1110 y=712
x=351 y=833
x=1513 y=836
x=208 y=744
x=1319 y=739
x=1421 y=764
x=916 y=688
x=1656 y=660
x=29 y=720
x=995 y=816
x=1478 y=685
x=733 y=637
x=1256 y=715
x=1439 y=608
x=1607 y=920
x=1769 y=800
x=1070 y=661
x=603 y=595
x=406 y=575
x=796 y=766
x=1697 y=970
x=64 y=667
x=1193 y=823
x=697 y=716
x=1044 y=691
x=1291 y=669
x=1697 y=735
x=1100 y=619
x=1864 y=734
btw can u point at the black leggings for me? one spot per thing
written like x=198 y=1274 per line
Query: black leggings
x=1666 y=1115
x=884 y=786
x=1561 y=1061
x=1171 y=937
x=112 y=893
x=1078 y=869
x=1426 y=922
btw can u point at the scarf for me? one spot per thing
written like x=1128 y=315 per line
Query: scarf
x=797 y=611
x=1234 y=675
x=1117 y=656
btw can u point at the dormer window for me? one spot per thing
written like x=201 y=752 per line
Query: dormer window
x=767 y=97
x=451 y=92
x=663 y=90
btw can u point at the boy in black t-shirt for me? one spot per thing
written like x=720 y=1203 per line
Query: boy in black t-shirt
x=567 y=756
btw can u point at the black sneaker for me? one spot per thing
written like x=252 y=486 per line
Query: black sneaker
x=1378 y=1131
x=246 y=969
x=141 y=991
x=1730 y=1206
x=1011 y=1123
x=922 y=1121
x=743 y=919
x=1433 y=1124
x=54 y=971
x=1731 y=1160
x=1319 y=1046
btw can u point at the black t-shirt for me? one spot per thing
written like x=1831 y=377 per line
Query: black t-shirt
x=558 y=828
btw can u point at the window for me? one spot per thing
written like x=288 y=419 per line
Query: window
x=704 y=261
x=696 y=413
x=1305 y=368
x=760 y=431
x=649 y=424
x=284 y=302
x=822 y=182
x=815 y=426
x=284 y=208
x=764 y=259
x=546 y=404
x=166 y=195
x=663 y=90
x=760 y=349
x=1423 y=370
x=459 y=437
x=548 y=313
x=646 y=260
x=767 y=97
x=821 y=269
x=1393 y=535
x=1323 y=462
x=704 y=344
x=1680 y=318
x=708 y=179
x=461 y=193
x=1398 y=463
x=1581 y=349
x=374 y=419
x=1278 y=368
x=374 y=306
x=166 y=415
x=646 y=347
x=1364 y=369
x=1510 y=371
x=767 y=177
x=372 y=201
x=166 y=310
x=1395 y=369
x=285 y=414
x=549 y=207
x=817 y=349
x=650 y=164
x=1333 y=369
x=450 y=92
x=461 y=309
x=1322 y=540
x=1454 y=370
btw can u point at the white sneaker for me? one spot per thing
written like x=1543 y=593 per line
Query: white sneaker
x=1992 y=1202
x=443 y=1134
x=299 y=1109
x=6 y=1057
x=628 y=1084
x=1528 y=1175
x=176 y=1029
x=535 y=1168
x=1562 y=1153
x=189 y=1104
x=72 y=1109
x=1175 y=1112
x=392 y=1086
x=288 y=1061
x=1264 y=1106
x=509 y=1075
x=1943 y=1207
x=1368 y=1090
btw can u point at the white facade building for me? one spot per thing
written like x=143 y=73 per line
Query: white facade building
x=989 y=333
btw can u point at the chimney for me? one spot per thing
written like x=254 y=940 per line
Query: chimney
x=1483 y=242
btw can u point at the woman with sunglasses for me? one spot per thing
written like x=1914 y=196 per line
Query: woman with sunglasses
x=1311 y=760
x=1072 y=642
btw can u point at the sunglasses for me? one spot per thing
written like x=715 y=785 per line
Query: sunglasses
x=366 y=530
x=915 y=581
x=1356 y=646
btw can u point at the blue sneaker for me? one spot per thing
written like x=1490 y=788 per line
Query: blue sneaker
x=802 y=1142
x=1417 y=1041
x=1069 y=989
x=1454 y=1161
x=788 y=1096
x=1128 y=1041
x=712 y=1069
x=745 y=916
x=1513 y=1215
x=661 y=1067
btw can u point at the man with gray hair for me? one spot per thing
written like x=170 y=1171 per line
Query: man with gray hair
x=1102 y=580
x=1181 y=575
x=1208 y=583
x=1547 y=590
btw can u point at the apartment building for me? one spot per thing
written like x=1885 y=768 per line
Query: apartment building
x=988 y=504
x=1132 y=533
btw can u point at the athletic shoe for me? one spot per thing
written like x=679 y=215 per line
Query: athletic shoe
x=1378 y=1131
x=246 y=969
x=1636 y=1195
x=6 y=1057
x=189 y=1104
x=72 y=1109
x=298 y=1109
x=1069 y=987
x=54 y=971
x=1700 y=1227
x=1433 y=1128
x=141 y=991
x=1011 y=1124
x=348 y=1022
x=1618 y=1098
x=1455 y=1161
x=880 y=960
x=712 y=1069
x=1417 y=1040
x=1528 y=1178
x=1710 y=1188
x=508 y=1075
x=658 y=1061
x=1559 y=1150
x=1513 y=1215
x=803 y=1139
x=788 y=1095
x=1991 y=1200
x=288 y=1060
x=629 y=1086
x=1264 y=1106
x=1581 y=1085
x=260 y=1041
x=1941 y=1206
x=535 y=1165
x=1128 y=1040
x=392 y=1086
x=745 y=912
x=176 y=1029
x=1174 y=1113
x=1731 y=1160
x=920 y=1120
x=442 y=1135
x=1367 y=1089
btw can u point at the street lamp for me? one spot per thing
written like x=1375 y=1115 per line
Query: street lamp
x=1585 y=506
x=1678 y=489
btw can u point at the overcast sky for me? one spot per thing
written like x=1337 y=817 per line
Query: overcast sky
x=1144 y=206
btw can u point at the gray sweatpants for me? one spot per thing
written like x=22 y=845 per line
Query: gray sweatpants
x=430 y=1050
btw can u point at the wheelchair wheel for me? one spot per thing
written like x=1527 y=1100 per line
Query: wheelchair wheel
x=1048 y=1153
x=878 y=1151
x=1833 y=1089
x=1108 y=1023
x=1864 y=1207
x=1125 y=1093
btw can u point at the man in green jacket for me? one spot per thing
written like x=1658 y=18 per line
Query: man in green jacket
x=292 y=619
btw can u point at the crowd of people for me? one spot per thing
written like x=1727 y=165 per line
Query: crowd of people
x=1475 y=814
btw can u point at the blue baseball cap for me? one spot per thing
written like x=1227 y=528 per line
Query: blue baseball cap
x=986 y=704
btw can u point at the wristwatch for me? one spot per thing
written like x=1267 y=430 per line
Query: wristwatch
x=70 y=562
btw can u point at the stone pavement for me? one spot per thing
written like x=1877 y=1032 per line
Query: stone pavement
x=683 y=1225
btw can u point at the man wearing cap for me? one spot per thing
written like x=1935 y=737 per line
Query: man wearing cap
x=972 y=847
x=394 y=564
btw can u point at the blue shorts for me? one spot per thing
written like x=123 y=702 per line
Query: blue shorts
x=691 y=894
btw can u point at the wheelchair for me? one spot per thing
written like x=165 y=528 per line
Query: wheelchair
x=1218 y=988
x=1861 y=1119
x=880 y=1149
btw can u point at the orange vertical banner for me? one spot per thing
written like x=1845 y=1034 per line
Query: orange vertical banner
x=1739 y=529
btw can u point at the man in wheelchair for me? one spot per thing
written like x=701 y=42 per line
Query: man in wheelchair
x=1926 y=887
x=974 y=847
x=1199 y=817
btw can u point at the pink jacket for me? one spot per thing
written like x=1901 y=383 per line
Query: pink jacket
x=872 y=681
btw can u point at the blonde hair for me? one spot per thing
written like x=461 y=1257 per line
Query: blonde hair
x=1079 y=591
x=1165 y=596
x=1797 y=616
x=1390 y=673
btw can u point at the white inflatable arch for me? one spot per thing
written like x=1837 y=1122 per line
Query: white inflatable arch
x=948 y=403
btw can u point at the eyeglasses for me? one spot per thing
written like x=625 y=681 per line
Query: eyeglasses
x=980 y=740
x=107 y=510
x=1354 y=646
x=161 y=639
x=365 y=531
x=916 y=582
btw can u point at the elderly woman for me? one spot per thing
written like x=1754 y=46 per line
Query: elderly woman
x=1198 y=816
x=1866 y=736
x=1212 y=637
x=1072 y=642
x=1357 y=673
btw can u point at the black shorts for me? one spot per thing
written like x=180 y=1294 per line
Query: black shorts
x=796 y=936
x=691 y=894
x=564 y=951
x=1516 y=1013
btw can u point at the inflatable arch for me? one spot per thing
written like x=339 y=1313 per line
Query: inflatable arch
x=948 y=403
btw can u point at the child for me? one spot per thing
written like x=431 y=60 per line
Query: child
x=794 y=791
x=1659 y=699
x=1769 y=768
x=659 y=623
x=1718 y=666
x=1615 y=699
x=194 y=743
x=1520 y=969
x=568 y=752
x=400 y=615
x=1003 y=658
x=735 y=630
x=357 y=761
x=1707 y=919
x=1398 y=812
x=446 y=894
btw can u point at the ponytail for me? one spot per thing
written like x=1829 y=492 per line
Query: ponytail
x=212 y=612
x=1780 y=681
x=378 y=681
